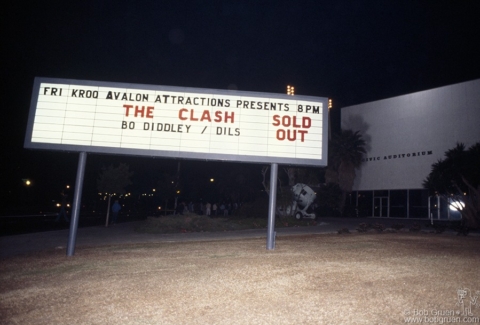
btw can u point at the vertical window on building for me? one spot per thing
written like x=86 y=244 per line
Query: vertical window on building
x=444 y=209
x=380 y=203
x=434 y=211
x=418 y=203
x=365 y=201
x=398 y=203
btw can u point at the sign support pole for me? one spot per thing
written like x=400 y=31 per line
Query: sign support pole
x=77 y=198
x=272 y=203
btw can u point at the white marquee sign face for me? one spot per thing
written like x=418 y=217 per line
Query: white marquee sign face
x=177 y=122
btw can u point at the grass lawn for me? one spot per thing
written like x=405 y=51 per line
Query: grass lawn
x=362 y=278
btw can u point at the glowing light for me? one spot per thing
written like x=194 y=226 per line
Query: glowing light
x=290 y=90
x=212 y=180
x=456 y=205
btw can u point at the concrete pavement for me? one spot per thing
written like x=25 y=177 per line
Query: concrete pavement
x=124 y=233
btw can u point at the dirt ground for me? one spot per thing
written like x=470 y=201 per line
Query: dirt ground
x=316 y=279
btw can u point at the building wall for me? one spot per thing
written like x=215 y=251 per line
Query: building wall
x=405 y=135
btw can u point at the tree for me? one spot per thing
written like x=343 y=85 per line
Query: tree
x=113 y=180
x=456 y=178
x=345 y=156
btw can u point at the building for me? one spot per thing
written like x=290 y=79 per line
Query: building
x=405 y=135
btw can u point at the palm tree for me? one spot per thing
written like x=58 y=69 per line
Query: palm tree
x=457 y=178
x=345 y=156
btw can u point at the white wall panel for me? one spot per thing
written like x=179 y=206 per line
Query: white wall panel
x=405 y=135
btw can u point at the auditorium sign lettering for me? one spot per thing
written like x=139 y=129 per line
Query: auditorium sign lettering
x=412 y=154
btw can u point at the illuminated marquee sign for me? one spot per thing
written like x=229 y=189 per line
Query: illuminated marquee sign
x=177 y=122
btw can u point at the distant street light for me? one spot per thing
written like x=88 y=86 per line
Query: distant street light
x=212 y=180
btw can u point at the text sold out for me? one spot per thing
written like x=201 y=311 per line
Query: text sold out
x=292 y=128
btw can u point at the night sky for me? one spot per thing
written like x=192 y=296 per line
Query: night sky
x=350 y=51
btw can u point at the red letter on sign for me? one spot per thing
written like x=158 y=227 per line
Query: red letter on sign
x=276 y=121
x=229 y=117
x=127 y=107
x=295 y=125
x=139 y=111
x=302 y=133
x=306 y=122
x=180 y=114
x=149 y=112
